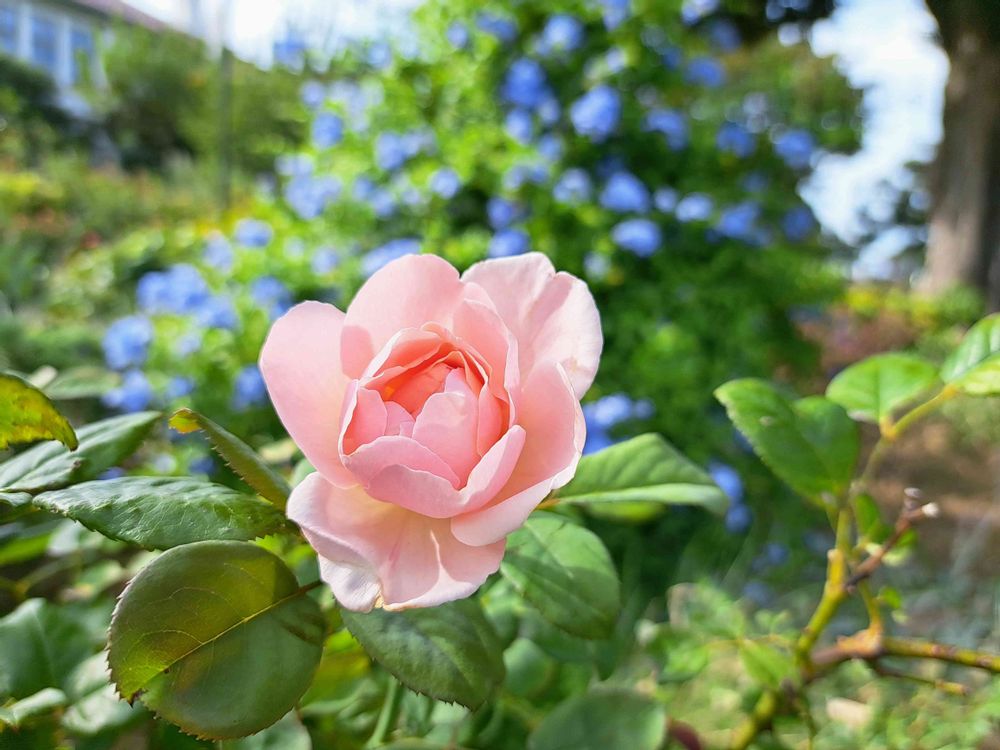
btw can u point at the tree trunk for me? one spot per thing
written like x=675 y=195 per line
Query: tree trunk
x=964 y=234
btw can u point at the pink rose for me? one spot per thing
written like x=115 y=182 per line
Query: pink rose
x=438 y=411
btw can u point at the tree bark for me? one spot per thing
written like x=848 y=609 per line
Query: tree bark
x=963 y=245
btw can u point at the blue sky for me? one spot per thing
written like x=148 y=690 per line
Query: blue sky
x=885 y=47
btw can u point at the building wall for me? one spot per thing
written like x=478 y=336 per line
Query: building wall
x=52 y=36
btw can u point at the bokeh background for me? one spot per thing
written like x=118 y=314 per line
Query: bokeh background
x=771 y=188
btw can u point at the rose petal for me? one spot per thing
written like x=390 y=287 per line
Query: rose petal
x=551 y=315
x=367 y=422
x=389 y=451
x=371 y=550
x=300 y=363
x=406 y=293
x=447 y=425
x=555 y=430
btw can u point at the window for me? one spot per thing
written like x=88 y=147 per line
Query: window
x=43 y=43
x=8 y=29
x=81 y=47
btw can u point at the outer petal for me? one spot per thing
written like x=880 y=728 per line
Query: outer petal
x=555 y=432
x=300 y=362
x=406 y=293
x=552 y=315
x=372 y=552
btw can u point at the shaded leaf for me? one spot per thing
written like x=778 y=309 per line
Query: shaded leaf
x=96 y=707
x=85 y=381
x=566 y=573
x=602 y=719
x=41 y=644
x=811 y=443
x=636 y=479
x=27 y=414
x=102 y=445
x=449 y=652
x=239 y=456
x=767 y=665
x=43 y=702
x=874 y=388
x=162 y=512
x=216 y=637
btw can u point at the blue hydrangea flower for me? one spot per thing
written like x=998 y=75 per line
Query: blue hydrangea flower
x=672 y=124
x=508 y=242
x=364 y=188
x=204 y=465
x=724 y=35
x=134 y=394
x=596 y=113
x=694 y=207
x=115 y=472
x=615 y=12
x=324 y=260
x=738 y=518
x=313 y=93
x=596 y=265
x=327 y=130
x=218 y=253
x=217 y=312
x=798 y=223
x=249 y=389
x=388 y=252
x=253 y=233
x=270 y=293
x=457 y=35
x=520 y=125
x=693 y=11
x=672 y=57
x=289 y=51
x=573 y=187
x=728 y=479
x=705 y=71
x=179 y=386
x=126 y=342
x=639 y=236
x=739 y=222
x=665 y=199
x=500 y=27
x=391 y=151
x=795 y=148
x=501 y=212
x=294 y=165
x=383 y=202
x=548 y=111
x=188 y=344
x=309 y=196
x=562 y=33
x=624 y=193
x=379 y=55
x=607 y=412
x=519 y=174
x=525 y=84
x=178 y=290
x=445 y=182
x=550 y=146
x=733 y=138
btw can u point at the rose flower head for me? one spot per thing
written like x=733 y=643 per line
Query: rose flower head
x=438 y=412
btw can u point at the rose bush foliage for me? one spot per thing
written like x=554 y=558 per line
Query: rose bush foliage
x=438 y=411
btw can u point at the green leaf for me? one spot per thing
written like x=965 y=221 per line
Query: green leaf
x=873 y=389
x=85 y=381
x=27 y=414
x=602 y=719
x=39 y=704
x=974 y=366
x=216 y=637
x=287 y=734
x=680 y=653
x=767 y=665
x=566 y=573
x=449 y=652
x=636 y=479
x=41 y=645
x=96 y=706
x=239 y=456
x=103 y=444
x=811 y=443
x=163 y=512
x=869 y=519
